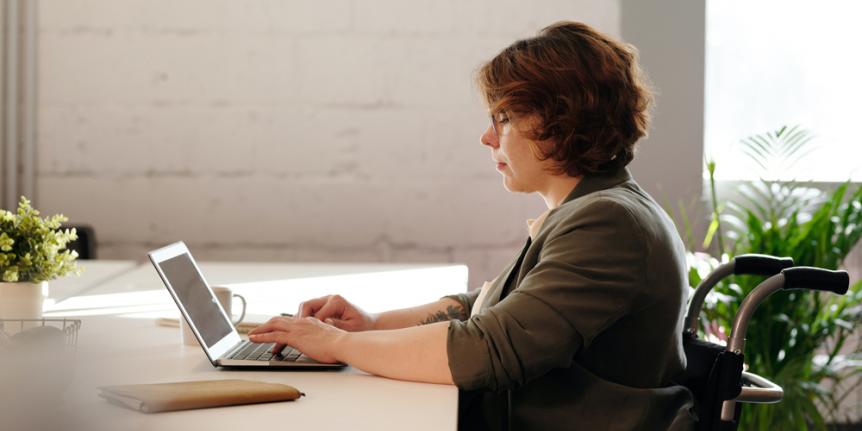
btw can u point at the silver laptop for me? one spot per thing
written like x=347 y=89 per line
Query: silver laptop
x=208 y=321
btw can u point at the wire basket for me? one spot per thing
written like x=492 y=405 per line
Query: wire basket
x=69 y=328
x=38 y=358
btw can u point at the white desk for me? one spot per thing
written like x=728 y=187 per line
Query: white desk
x=120 y=343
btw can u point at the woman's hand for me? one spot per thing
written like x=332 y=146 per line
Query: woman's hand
x=310 y=336
x=338 y=312
x=416 y=353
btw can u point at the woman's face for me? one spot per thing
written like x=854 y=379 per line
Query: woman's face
x=511 y=150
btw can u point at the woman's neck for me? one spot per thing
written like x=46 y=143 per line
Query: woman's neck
x=557 y=189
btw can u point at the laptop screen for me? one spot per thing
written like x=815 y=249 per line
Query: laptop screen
x=200 y=304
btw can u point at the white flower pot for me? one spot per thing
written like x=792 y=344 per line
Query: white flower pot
x=22 y=300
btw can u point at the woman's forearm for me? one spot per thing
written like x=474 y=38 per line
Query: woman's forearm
x=416 y=353
x=442 y=310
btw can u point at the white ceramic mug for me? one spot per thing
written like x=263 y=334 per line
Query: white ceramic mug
x=225 y=298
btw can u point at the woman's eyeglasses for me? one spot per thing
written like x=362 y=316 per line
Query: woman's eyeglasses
x=494 y=126
x=497 y=120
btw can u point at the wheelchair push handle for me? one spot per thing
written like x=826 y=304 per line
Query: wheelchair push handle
x=760 y=264
x=805 y=277
x=801 y=277
x=792 y=278
x=744 y=264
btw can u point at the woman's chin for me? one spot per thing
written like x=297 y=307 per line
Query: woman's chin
x=512 y=186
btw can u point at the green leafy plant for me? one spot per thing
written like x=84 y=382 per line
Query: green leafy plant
x=795 y=338
x=32 y=248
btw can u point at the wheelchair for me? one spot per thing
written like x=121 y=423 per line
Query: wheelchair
x=715 y=374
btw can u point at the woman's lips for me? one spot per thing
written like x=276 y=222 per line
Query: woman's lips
x=500 y=166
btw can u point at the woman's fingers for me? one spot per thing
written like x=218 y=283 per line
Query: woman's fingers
x=308 y=335
x=269 y=337
x=274 y=324
x=278 y=330
x=310 y=307
x=274 y=331
x=334 y=307
x=266 y=327
x=259 y=330
x=279 y=338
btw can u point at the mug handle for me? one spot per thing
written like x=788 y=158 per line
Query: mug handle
x=242 y=315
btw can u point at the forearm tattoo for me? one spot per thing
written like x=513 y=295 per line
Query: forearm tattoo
x=452 y=312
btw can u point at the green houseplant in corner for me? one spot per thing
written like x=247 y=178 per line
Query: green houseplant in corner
x=32 y=252
x=797 y=339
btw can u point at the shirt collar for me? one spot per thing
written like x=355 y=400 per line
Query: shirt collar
x=534 y=225
x=587 y=185
x=595 y=182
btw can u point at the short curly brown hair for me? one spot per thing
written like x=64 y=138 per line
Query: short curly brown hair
x=587 y=89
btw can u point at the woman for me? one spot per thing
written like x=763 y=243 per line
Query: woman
x=583 y=329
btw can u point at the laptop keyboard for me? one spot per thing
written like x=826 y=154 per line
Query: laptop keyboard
x=249 y=351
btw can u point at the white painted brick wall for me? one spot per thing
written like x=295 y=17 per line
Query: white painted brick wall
x=284 y=130
x=2 y=115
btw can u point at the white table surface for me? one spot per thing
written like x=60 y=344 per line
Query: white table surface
x=141 y=352
x=119 y=343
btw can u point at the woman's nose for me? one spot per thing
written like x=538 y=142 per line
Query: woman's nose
x=489 y=138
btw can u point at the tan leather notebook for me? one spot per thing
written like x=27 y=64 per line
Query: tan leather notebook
x=165 y=397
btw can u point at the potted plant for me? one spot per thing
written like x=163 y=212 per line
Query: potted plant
x=797 y=339
x=32 y=252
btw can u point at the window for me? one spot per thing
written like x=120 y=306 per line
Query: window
x=777 y=62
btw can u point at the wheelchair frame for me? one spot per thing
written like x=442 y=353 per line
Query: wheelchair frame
x=736 y=385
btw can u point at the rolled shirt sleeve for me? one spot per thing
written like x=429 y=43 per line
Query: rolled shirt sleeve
x=586 y=277
x=466 y=299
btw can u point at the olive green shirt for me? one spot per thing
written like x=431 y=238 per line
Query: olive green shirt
x=583 y=330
